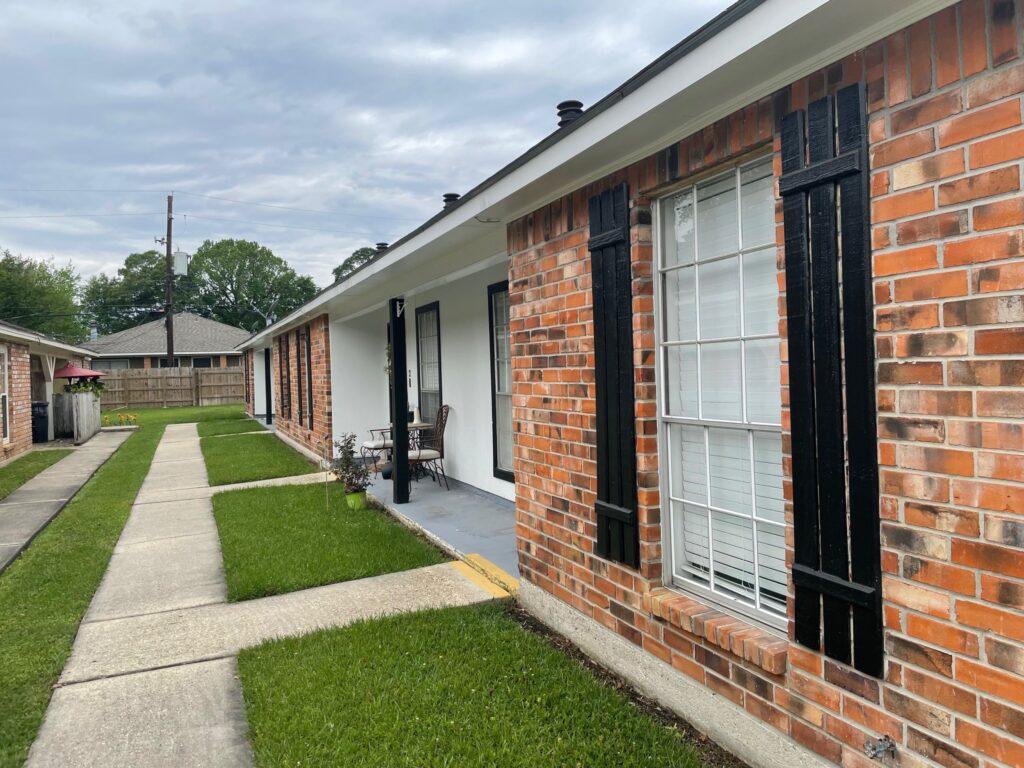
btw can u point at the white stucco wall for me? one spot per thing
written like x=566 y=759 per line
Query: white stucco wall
x=465 y=376
x=259 y=384
x=360 y=386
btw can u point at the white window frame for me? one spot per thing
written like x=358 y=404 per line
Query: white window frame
x=734 y=605
x=5 y=396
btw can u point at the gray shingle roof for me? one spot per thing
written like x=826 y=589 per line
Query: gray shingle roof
x=193 y=335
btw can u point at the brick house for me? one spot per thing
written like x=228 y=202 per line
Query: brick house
x=288 y=383
x=199 y=342
x=765 y=338
x=27 y=362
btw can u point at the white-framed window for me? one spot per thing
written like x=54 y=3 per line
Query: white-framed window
x=428 y=359
x=501 y=379
x=720 y=391
x=5 y=415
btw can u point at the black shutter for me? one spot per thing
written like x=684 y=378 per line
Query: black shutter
x=617 y=530
x=285 y=376
x=245 y=372
x=298 y=375
x=309 y=375
x=837 y=570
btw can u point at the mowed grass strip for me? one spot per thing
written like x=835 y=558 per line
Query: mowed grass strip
x=241 y=458
x=45 y=592
x=282 y=539
x=229 y=427
x=24 y=468
x=180 y=415
x=453 y=687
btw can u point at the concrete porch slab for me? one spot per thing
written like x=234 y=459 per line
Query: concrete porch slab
x=464 y=519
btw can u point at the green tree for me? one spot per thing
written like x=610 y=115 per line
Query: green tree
x=242 y=283
x=359 y=257
x=39 y=294
x=136 y=295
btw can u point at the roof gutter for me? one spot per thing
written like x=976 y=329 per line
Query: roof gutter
x=32 y=337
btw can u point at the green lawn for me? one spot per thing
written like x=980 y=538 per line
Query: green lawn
x=158 y=416
x=453 y=687
x=45 y=592
x=229 y=427
x=23 y=469
x=241 y=458
x=277 y=540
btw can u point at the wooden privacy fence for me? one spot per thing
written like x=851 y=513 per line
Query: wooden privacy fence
x=168 y=387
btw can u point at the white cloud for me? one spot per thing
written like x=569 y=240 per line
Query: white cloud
x=369 y=111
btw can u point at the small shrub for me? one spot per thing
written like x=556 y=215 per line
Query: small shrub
x=350 y=469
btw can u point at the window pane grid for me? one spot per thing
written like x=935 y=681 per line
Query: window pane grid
x=727 y=528
x=502 y=378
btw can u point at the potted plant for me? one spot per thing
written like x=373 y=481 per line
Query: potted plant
x=351 y=471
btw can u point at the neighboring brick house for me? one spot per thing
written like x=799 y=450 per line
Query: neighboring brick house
x=27 y=362
x=767 y=374
x=199 y=342
x=301 y=385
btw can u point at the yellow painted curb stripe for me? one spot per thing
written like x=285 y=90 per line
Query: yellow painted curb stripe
x=500 y=577
x=479 y=579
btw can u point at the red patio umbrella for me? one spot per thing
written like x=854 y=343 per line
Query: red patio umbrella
x=71 y=371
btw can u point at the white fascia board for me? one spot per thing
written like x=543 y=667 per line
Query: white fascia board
x=39 y=340
x=161 y=353
x=588 y=153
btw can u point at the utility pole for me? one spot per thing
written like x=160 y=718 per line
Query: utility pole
x=169 y=308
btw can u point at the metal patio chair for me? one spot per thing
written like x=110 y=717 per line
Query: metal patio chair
x=380 y=443
x=429 y=455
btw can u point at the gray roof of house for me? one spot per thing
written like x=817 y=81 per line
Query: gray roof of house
x=193 y=335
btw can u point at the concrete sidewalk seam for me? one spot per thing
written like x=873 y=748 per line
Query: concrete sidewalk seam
x=146 y=670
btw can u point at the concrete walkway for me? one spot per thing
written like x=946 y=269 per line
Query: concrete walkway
x=152 y=676
x=26 y=511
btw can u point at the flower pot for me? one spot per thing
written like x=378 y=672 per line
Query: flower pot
x=356 y=500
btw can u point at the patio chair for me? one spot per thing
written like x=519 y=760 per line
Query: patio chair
x=430 y=453
x=380 y=442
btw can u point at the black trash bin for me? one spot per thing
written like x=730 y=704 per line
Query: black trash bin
x=40 y=422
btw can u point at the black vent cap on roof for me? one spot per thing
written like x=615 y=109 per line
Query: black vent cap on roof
x=381 y=247
x=569 y=111
x=450 y=197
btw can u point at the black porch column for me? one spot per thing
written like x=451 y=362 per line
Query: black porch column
x=268 y=395
x=399 y=403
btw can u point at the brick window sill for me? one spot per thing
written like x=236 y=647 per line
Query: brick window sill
x=738 y=637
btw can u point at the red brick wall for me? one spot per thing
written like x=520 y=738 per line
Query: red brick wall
x=19 y=396
x=947 y=210
x=318 y=439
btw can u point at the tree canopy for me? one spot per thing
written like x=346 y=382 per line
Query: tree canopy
x=242 y=283
x=359 y=257
x=136 y=295
x=238 y=282
x=40 y=295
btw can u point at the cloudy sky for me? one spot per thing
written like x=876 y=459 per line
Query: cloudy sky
x=363 y=113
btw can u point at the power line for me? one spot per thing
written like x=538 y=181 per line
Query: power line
x=217 y=197
x=268 y=224
x=291 y=208
x=81 y=215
